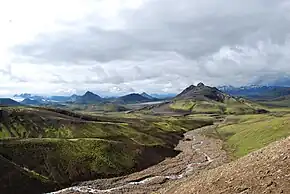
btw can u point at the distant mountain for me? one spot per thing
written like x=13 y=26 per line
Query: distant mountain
x=202 y=99
x=73 y=98
x=59 y=98
x=8 y=102
x=88 y=98
x=28 y=101
x=144 y=94
x=257 y=92
x=202 y=92
x=133 y=98
x=163 y=96
x=24 y=95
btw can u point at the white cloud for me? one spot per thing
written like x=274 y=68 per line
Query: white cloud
x=122 y=46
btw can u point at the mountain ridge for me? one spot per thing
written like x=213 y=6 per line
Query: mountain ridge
x=9 y=102
x=257 y=92
x=202 y=99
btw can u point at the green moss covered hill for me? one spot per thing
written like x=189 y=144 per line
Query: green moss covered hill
x=203 y=99
x=45 y=149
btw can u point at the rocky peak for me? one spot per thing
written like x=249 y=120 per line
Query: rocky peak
x=200 y=85
x=88 y=93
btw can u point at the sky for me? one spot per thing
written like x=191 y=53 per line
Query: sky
x=111 y=47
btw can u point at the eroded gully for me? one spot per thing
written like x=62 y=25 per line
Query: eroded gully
x=197 y=153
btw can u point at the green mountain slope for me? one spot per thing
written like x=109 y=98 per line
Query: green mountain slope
x=16 y=179
x=67 y=147
x=202 y=99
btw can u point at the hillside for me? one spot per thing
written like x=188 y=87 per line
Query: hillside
x=28 y=101
x=144 y=94
x=263 y=171
x=283 y=101
x=202 y=99
x=16 y=179
x=87 y=98
x=243 y=134
x=94 y=108
x=66 y=147
x=133 y=98
x=8 y=102
x=203 y=149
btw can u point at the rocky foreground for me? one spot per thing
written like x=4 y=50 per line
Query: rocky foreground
x=263 y=171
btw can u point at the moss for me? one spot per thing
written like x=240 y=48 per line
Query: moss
x=15 y=179
x=184 y=105
x=68 y=147
x=253 y=132
x=4 y=133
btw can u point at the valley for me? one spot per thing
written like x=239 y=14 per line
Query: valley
x=145 y=97
x=66 y=148
x=197 y=153
x=147 y=147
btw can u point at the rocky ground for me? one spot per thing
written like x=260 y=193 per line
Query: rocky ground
x=261 y=172
x=197 y=153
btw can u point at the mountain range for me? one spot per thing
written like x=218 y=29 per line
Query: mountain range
x=256 y=92
x=87 y=98
x=252 y=92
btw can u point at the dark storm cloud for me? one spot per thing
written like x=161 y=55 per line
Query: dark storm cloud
x=165 y=26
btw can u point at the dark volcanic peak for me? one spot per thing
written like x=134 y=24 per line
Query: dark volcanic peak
x=133 y=98
x=88 y=93
x=144 y=94
x=202 y=92
x=200 y=84
x=87 y=98
x=190 y=88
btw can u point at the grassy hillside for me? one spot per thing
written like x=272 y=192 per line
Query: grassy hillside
x=96 y=107
x=65 y=147
x=246 y=133
x=16 y=179
x=203 y=99
x=229 y=106
x=65 y=160
x=277 y=102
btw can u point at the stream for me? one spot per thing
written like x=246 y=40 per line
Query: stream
x=197 y=154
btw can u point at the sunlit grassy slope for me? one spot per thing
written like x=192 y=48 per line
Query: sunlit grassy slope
x=246 y=133
x=230 y=106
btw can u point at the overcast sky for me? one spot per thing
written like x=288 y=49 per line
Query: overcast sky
x=157 y=46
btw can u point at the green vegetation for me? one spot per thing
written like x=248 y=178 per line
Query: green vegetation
x=94 y=107
x=60 y=147
x=185 y=105
x=17 y=179
x=277 y=103
x=229 y=106
x=246 y=133
x=64 y=161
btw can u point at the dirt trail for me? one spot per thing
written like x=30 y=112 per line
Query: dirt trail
x=197 y=153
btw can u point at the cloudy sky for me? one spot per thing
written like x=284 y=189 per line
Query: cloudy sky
x=157 y=46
